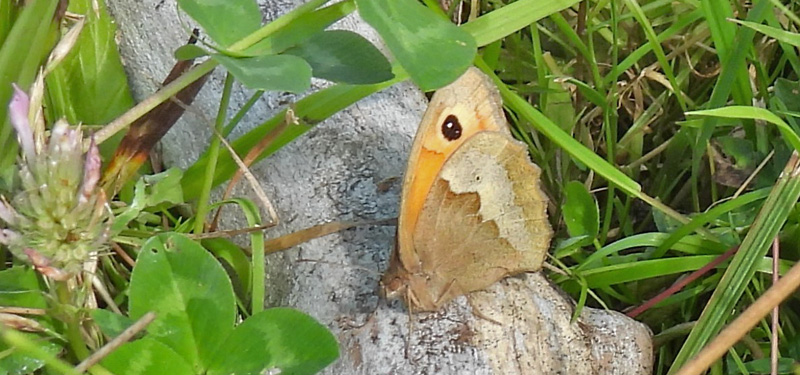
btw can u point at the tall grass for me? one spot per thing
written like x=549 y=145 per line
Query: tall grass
x=669 y=122
x=619 y=77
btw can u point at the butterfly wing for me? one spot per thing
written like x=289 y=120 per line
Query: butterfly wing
x=484 y=218
x=475 y=103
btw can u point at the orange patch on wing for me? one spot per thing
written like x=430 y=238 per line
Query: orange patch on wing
x=428 y=166
x=433 y=155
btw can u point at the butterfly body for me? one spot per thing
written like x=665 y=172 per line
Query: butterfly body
x=471 y=209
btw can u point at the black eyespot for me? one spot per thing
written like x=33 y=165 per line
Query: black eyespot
x=451 y=128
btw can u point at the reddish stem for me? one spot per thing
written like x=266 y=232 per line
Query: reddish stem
x=682 y=283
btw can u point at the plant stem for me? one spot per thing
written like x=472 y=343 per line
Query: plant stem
x=73 y=333
x=151 y=102
x=25 y=345
x=202 y=203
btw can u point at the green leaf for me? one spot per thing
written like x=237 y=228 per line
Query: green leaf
x=559 y=107
x=580 y=211
x=146 y=357
x=764 y=366
x=664 y=222
x=432 y=50
x=189 y=292
x=569 y=246
x=150 y=191
x=133 y=210
x=110 y=323
x=90 y=85
x=283 y=339
x=249 y=272
x=301 y=28
x=789 y=93
x=269 y=72
x=224 y=21
x=344 y=56
x=586 y=90
x=190 y=51
x=742 y=151
x=16 y=363
x=792 y=345
x=164 y=188
x=19 y=286
x=237 y=261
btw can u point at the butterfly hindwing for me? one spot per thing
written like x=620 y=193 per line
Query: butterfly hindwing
x=484 y=218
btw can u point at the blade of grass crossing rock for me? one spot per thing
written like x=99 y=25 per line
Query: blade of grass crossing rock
x=309 y=110
x=200 y=70
x=324 y=103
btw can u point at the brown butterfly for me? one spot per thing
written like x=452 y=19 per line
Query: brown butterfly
x=471 y=211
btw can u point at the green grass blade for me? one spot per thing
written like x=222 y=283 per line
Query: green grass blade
x=636 y=270
x=682 y=23
x=28 y=42
x=769 y=221
x=577 y=150
x=687 y=244
x=8 y=12
x=706 y=217
x=310 y=110
x=652 y=39
x=500 y=23
x=90 y=85
x=733 y=73
x=643 y=269
x=754 y=113
x=252 y=213
x=781 y=35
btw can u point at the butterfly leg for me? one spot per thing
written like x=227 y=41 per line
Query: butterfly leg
x=477 y=312
x=450 y=288
x=347 y=323
x=410 y=300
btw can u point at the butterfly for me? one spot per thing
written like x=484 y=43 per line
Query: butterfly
x=472 y=211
